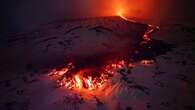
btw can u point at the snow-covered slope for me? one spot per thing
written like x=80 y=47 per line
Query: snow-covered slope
x=165 y=84
x=55 y=42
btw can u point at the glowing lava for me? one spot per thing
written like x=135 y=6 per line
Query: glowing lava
x=88 y=78
x=78 y=82
x=147 y=62
x=151 y=28
x=121 y=15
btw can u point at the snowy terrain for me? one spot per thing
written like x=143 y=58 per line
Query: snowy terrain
x=165 y=84
x=56 y=42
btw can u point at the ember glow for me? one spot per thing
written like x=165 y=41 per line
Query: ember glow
x=87 y=78
x=147 y=62
x=151 y=29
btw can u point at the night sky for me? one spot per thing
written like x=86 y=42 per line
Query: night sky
x=25 y=15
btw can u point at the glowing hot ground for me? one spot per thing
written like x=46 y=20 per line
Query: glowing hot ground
x=86 y=78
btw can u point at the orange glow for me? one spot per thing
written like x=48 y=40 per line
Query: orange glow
x=121 y=8
x=150 y=11
x=121 y=15
x=151 y=29
x=85 y=79
x=90 y=83
x=78 y=82
x=147 y=62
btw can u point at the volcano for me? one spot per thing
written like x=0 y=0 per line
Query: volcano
x=103 y=63
x=74 y=41
x=87 y=48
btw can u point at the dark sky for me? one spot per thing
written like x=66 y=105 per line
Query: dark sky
x=22 y=15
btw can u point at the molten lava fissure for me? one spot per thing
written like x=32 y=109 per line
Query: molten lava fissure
x=87 y=78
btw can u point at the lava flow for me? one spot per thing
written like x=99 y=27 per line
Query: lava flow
x=121 y=15
x=151 y=28
x=87 y=78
